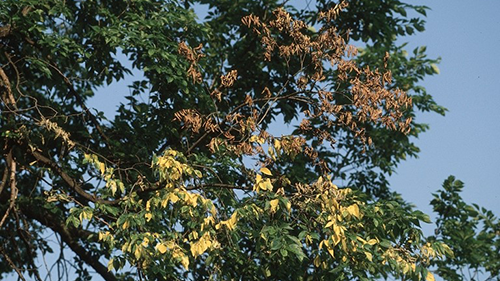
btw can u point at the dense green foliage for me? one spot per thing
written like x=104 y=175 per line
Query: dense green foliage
x=191 y=178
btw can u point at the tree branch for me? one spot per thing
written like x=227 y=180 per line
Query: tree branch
x=81 y=103
x=8 y=97
x=11 y=263
x=4 y=178
x=69 y=235
x=11 y=164
x=75 y=185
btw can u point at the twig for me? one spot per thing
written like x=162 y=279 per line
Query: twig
x=11 y=263
x=81 y=103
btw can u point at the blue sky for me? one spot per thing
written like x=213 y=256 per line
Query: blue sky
x=465 y=142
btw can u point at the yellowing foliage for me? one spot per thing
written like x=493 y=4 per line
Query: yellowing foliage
x=200 y=246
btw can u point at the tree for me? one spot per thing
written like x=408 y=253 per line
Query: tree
x=471 y=231
x=188 y=180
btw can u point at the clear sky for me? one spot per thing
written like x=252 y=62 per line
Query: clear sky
x=464 y=143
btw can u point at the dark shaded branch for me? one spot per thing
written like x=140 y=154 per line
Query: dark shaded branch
x=69 y=235
x=22 y=232
x=11 y=263
x=196 y=143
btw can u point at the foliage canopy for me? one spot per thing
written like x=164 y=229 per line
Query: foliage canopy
x=193 y=178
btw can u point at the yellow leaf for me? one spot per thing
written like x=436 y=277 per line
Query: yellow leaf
x=317 y=261
x=198 y=174
x=266 y=185
x=270 y=150
x=138 y=252
x=430 y=276
x=354 y=210
x=102 y=168
x=124 y=247
x=372 y=242
x=231 y=223
x=200 y=246
x=112 y=185
x=406 y=268
x=191 y=198
x=161 y=248
x=274 y=205
x=110 y=265
x=148 y=216
x=330 y=223
x=266 y=171
x=369 y=256
x=330 y=251
x=277 y=144
x=258 y=178
x=125 y=225
x=185 y=262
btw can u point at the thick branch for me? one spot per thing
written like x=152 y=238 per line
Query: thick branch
x=4 y=178
x=69 y=236
x=11 y=164
x=8 y=97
